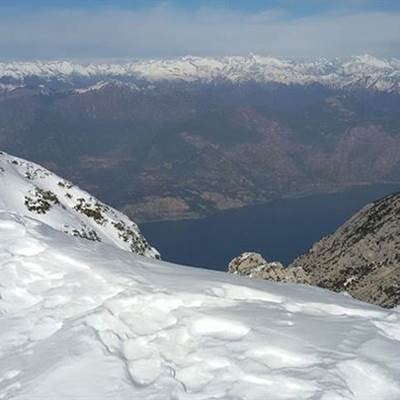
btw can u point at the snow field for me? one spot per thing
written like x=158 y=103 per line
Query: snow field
x=83 y=320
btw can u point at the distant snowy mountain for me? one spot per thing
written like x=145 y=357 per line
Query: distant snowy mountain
x=359 y=71
x=31 y=190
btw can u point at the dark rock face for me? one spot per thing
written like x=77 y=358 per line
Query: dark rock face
x=361 y=258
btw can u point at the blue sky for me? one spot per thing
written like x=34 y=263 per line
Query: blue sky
x=116 y=29
x=295 y=7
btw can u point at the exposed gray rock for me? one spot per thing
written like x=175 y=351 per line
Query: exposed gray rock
x=255 y=266
x=246 y=263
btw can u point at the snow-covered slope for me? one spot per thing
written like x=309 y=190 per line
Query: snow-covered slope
x=30 y=189
x=85 y=320
x=359 y=71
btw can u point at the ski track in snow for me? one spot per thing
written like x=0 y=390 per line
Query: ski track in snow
x=83 y=320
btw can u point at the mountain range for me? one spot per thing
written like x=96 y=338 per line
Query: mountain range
x=185 y=138
x=360 y=71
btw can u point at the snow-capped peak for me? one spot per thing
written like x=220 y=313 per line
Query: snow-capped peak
x=34 y=191
x=105 y=84
x=372 y=61
x=364 y=71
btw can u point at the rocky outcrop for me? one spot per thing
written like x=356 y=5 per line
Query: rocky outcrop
x=255 y=266
x=361 y=258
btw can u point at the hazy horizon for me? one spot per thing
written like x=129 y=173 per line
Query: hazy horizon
x=126 y=60
x=96 y=30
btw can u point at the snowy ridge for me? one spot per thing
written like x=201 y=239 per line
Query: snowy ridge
x=31 y=190
x=359 y=71
x=85 y=320
x=105 y=84
x=7 y=88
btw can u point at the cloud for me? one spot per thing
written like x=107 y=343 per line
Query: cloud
x=170 y=31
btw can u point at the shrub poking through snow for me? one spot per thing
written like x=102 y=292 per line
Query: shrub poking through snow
x=88 y=234
x=62 y=205
x=90 y=210
x=41 y=201
x=136 y=242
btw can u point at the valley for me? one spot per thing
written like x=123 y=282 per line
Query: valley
x=171 y=147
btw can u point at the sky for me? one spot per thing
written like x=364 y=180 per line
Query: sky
x=125 y=29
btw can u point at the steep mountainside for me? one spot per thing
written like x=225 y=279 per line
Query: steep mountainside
x=85 y=320
x=183 y=138
x=32 y=190
x=361 y=258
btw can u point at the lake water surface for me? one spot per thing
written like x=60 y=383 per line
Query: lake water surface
x=280 y=230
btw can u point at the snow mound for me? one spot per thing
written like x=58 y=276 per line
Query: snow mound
x=86 y=320
x=32 y=190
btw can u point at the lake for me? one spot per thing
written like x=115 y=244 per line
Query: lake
x=280 y=230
